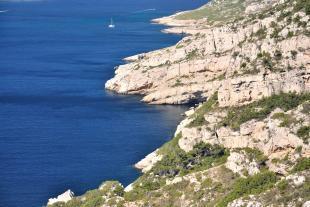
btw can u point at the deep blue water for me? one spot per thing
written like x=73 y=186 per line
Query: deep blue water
x=59 y=129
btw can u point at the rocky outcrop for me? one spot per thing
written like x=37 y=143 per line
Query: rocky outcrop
x=240 y=163
x=266 y=135
x=148 y=162
x=244 y=90
x=65 y=197
x=242 y=60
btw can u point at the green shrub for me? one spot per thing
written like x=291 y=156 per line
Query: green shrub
x=266 y=59
x=170 y=146
x=290 y=34
x=278 y=55
x=243 y=65
x=144 y=185
x=119 y=190
x=301 y=165
x=150 y=186
x=259 y=55
x=93 y=198
x=282 y=185
x=286 y=119
x=221 y=77
x=203 y=156
x=192 y=54
x=235 y=54
x=198 y=121
x=200 y=112
x=251 y=185
x=251 y=71
x=275 y=160
x=297 y=19
x=298 y=149
x=134 y=194
x=261 y=33
x=262 y=108
x=289 y=20
x=275 y=33
x=57 y=204
x=302 y=4
x=304 y=133
x=294 y=54
x=284 y=15
x=94 y=202
x=273 y=24
x=178 y=83
x=255 y=154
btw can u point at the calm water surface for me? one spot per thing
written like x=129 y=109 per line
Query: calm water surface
x=58 y=128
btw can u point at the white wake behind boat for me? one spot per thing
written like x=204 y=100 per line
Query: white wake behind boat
x=111 y=25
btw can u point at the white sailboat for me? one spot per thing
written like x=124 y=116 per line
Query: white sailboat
x=111 y=25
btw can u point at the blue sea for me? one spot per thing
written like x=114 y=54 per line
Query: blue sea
x=59 y=128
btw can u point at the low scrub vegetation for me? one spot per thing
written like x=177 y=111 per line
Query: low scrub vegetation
x=250 y=185
x=95 y=198
x=261 y=33
x=171 y=146
x=304 y=133
x=262 y=108
x=177 y=162
x=302 y=5
x=221 y=11
x=203 y=156
x=198 y=116
x=192 y=54
x=255 y=154
x=301 y=165
x=286 y=119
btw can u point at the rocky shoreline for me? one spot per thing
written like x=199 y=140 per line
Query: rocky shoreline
x=249 y=70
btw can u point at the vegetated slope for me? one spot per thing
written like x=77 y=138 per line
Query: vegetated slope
x=247 y=142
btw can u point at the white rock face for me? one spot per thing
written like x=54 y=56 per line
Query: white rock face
x=244 y=90
x=182 y=125
x=206 y=62
x=129 y=188
x=298 y=180
x=192 y=136
x=265 y=135
x=238 y=163
x=306 y=204
x=65 y=197
x=278 y=168
x=148 y=162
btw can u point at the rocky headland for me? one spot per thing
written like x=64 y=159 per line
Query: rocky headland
x=246 y=66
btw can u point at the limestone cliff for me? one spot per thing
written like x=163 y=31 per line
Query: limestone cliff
x=244 y=59
x=247 y=64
